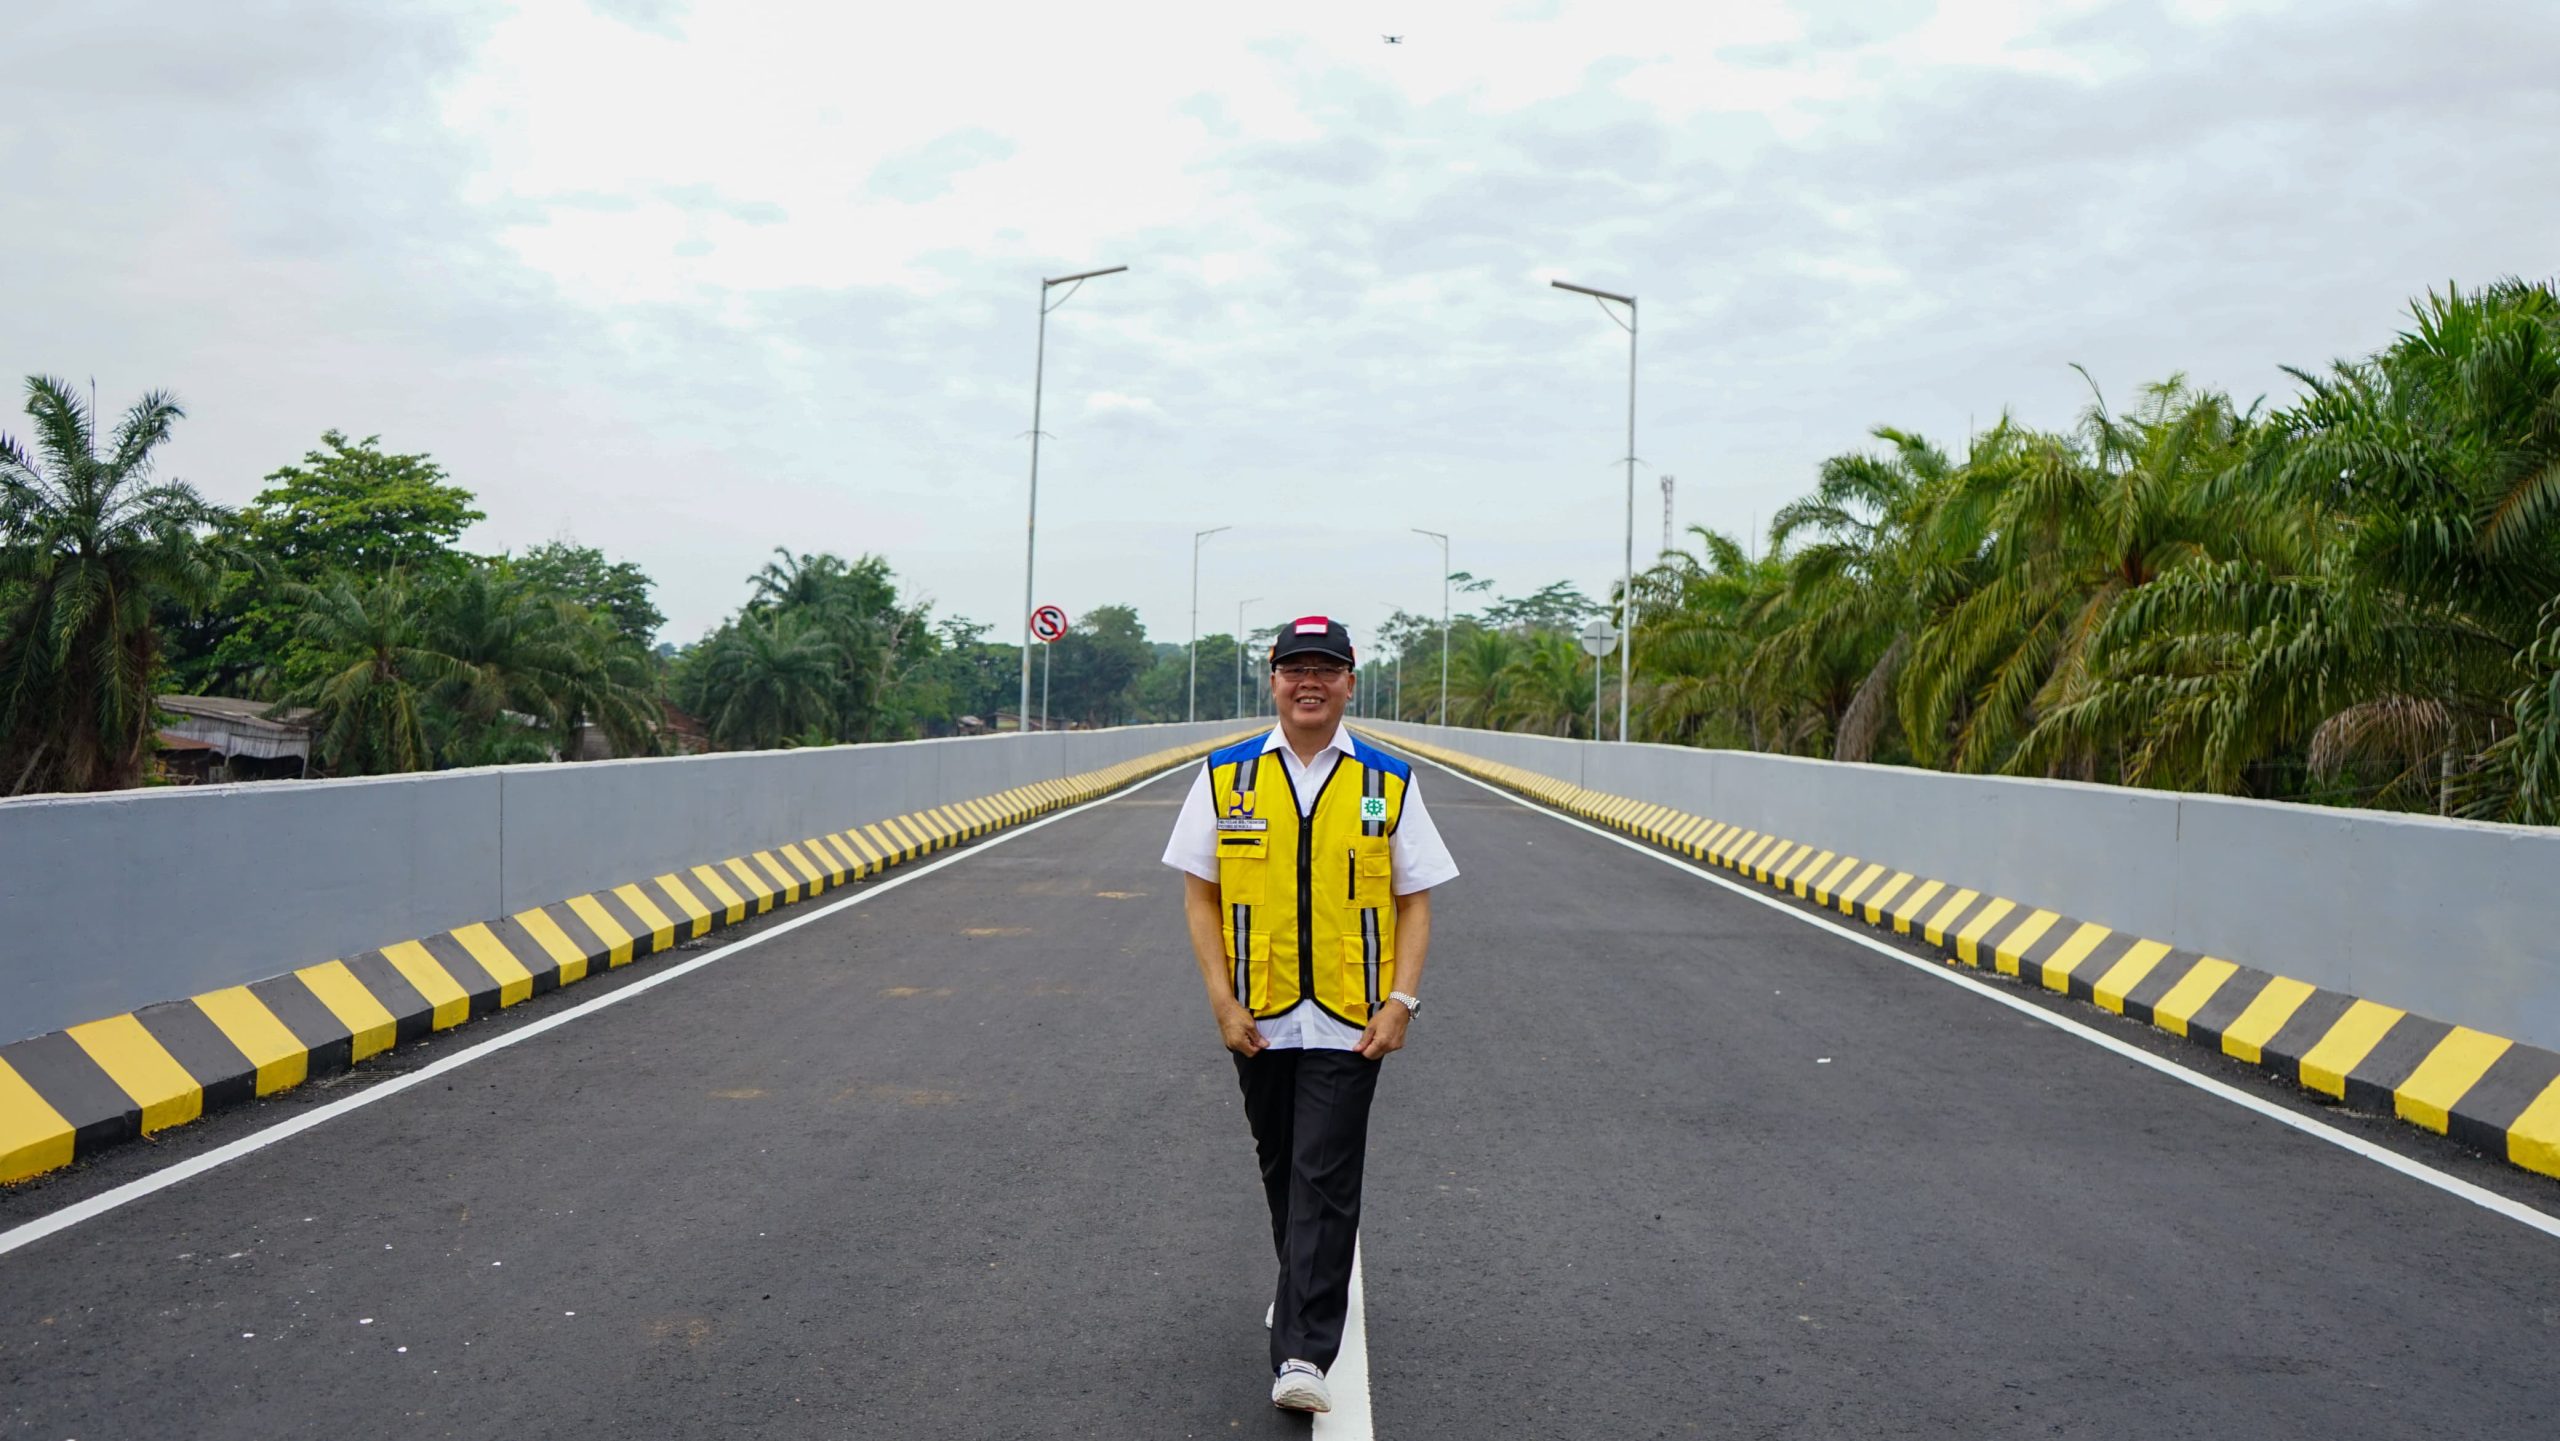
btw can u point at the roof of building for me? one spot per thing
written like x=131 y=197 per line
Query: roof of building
x=229 y=708
x=240 y=727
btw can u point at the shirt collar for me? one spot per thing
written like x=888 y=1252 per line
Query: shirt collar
x=1278 y=740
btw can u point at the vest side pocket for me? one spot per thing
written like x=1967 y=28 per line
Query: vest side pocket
x=1248 y=974
x=1368 y=959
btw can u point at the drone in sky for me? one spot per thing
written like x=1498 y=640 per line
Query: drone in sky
x=1392 y=39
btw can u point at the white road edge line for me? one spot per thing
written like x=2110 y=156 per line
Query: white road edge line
x=1348 y=1382
x=2452 y=1185
x=132 y=1191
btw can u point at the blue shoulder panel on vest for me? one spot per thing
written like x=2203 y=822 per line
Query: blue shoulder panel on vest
x=1369 y=755
x=1241 y=750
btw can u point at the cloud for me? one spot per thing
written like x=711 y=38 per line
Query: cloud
x=1112 y=407
x=927 y=171
x=692 y=281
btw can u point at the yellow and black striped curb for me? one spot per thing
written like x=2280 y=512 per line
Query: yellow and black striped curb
x=2482 y=1090
x=65 y=1095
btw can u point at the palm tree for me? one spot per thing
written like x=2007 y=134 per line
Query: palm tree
x=87 y=545
x=611 y=683
x=1872 y=553
x=497 y=707
x=2075 y=527
x=764 y=680
x=1546 y=685
x=379 y=668
x=1479 y=679
x=2394 y=635
x=1703 y=617
x=854 y=604
x=532 y=668
x=2525 y=764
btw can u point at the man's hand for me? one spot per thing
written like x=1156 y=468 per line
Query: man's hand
x=1386 y=1030
x=1236 y=1027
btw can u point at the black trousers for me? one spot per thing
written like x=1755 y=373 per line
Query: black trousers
x=1309 y=1110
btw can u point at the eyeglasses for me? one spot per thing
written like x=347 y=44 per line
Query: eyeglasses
x=1311 y=672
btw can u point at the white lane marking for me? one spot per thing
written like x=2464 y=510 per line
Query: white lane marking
x=2383 y=1156
x=132 y=1191
x=1348 y=1382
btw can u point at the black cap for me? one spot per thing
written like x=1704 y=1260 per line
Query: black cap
x=1312 y=633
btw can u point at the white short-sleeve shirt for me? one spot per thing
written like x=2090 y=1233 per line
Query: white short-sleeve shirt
x=1418 y=858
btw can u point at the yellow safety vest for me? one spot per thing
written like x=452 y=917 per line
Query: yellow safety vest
x=1307 y=908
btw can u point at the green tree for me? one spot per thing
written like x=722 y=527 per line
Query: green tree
x=960 y=673
x=351 y=508
x=89 y=544
x=582 y=574
x=359 y=508
x=1558 y=606
x=1096 y=667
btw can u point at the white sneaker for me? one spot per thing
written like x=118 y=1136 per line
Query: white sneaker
x=1268 y=1312
x=1300 y=1387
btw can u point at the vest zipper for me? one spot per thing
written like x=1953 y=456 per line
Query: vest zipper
x=1307 y=901
x=1351 y=877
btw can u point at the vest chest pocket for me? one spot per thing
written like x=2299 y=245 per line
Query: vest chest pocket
x=1372 y=870
x=1243 y=862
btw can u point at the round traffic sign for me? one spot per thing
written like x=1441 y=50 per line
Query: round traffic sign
x=1599 y=638
x=1048 y=624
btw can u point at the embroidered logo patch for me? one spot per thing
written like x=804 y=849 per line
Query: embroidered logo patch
x=1373 y=808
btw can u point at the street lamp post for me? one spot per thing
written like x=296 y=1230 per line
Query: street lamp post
x=1240 y=605
x=1627 y=598
x=1443 y=717
x=1191 y=711
x=1381 y=700
x=1031 y=526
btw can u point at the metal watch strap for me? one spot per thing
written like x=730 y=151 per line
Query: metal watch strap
x=1412 y=1004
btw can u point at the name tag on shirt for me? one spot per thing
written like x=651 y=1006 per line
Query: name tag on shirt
x=1243 y=823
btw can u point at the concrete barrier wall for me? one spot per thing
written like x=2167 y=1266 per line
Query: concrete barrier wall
x=109 y=903
x=2453 y=919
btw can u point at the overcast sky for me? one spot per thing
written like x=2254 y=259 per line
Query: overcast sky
x=689 y=282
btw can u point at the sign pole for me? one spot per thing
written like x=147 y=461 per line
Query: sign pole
x=1597 y=640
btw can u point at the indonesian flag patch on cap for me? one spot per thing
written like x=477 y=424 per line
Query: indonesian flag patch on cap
x=1322 y=635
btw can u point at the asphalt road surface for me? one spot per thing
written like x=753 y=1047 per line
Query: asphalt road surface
x=965 y=1160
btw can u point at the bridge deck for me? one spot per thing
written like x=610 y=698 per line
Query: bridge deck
x=964 y=1161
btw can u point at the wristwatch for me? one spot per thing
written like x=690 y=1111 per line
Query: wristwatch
x=1412 y=1004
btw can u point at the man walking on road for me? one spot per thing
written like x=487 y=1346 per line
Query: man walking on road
x=1309 y=862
